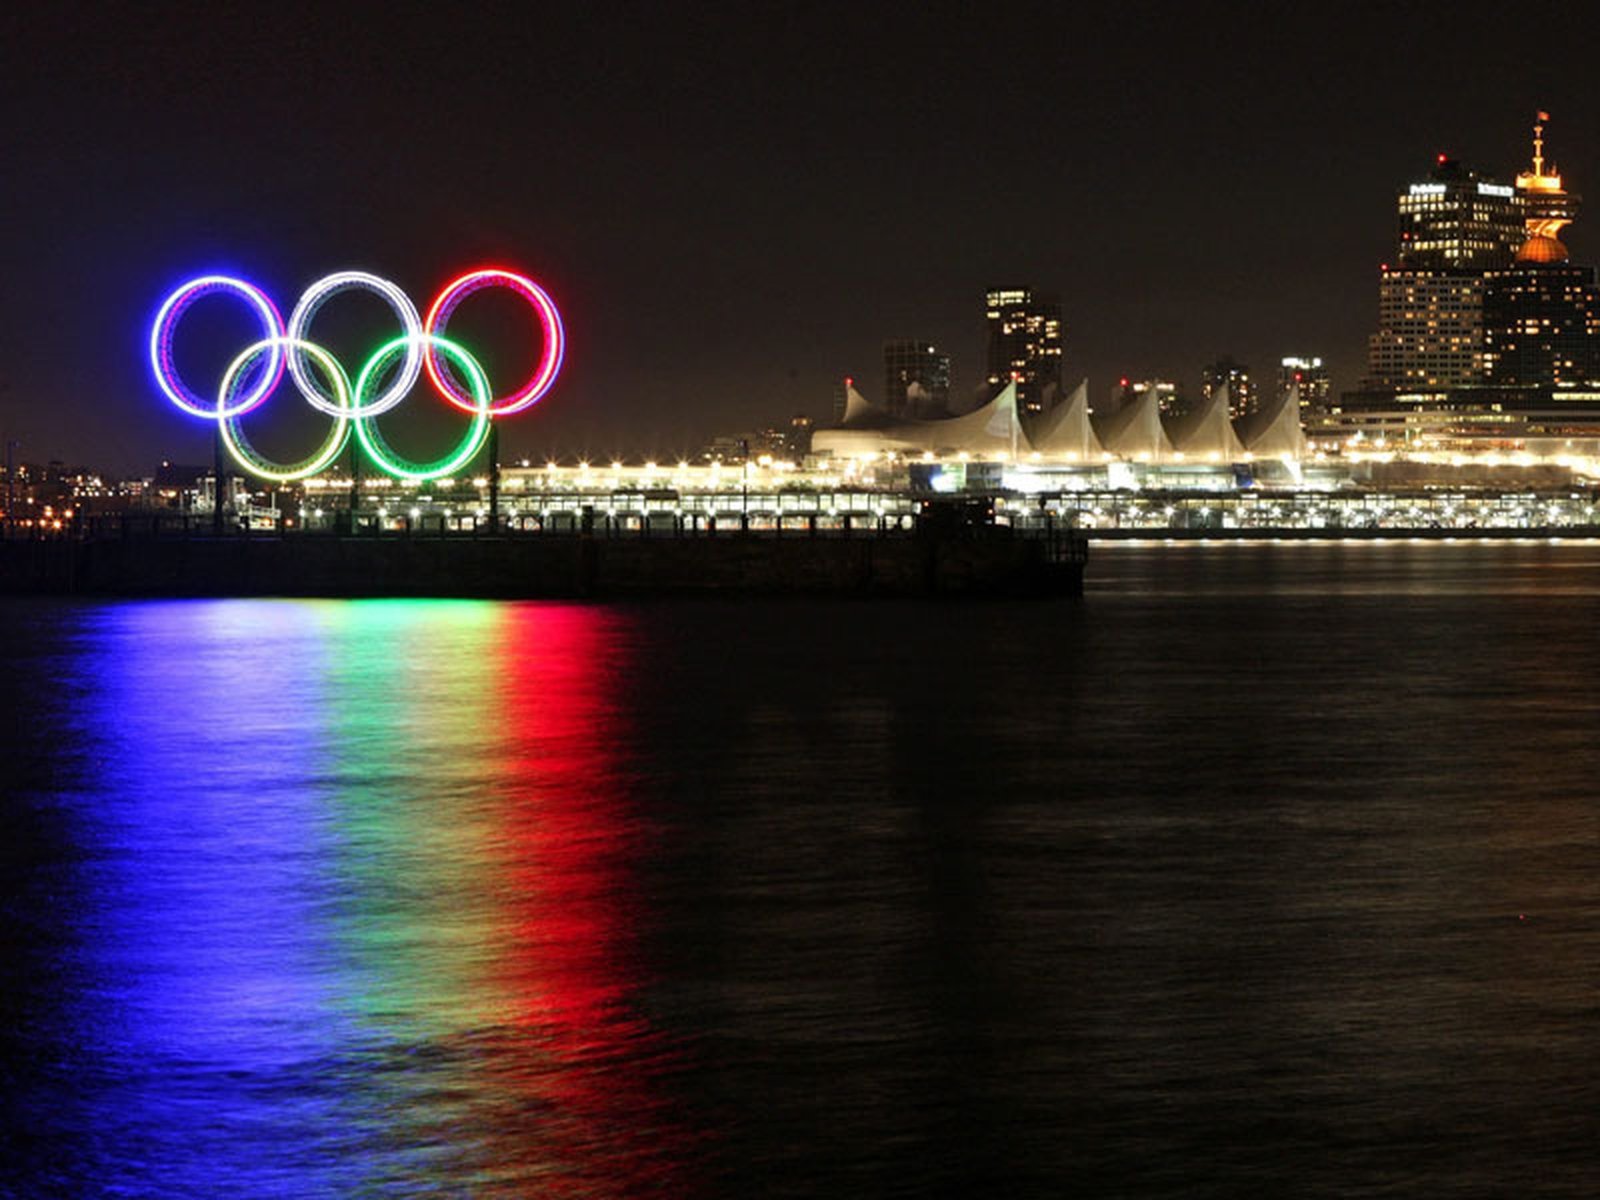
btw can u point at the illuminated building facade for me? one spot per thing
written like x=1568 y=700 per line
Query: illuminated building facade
x=1542 y=327
x=1310 y=377
x=1458 y=219
x=1484 y=328
x=1430 y=330
x=1235 y=376
x=1453 y=228
x=916 y=378
x=1547 y=206
x=1170 y=400
x=1024 y=343
x=1542 y=314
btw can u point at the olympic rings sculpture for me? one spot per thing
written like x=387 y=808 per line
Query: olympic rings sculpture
x=285 y=348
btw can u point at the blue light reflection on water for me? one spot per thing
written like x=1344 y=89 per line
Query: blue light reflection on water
x=208 y=980
x=296 y=967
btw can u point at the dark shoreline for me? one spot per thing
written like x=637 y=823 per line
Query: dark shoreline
x=976 y=564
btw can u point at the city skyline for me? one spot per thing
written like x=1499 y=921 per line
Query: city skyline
x=771 y=232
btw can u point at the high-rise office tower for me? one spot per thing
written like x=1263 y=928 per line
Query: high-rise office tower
x=1430 y=330
x=1542 y=314
x=1242 y=399
x=1310 y=377
x=1024 y=342
x=1453 y=228
x=1542 y=327
x=916 y=378
x=1458 y=219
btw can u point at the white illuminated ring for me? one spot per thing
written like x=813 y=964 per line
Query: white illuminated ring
x=313 y=299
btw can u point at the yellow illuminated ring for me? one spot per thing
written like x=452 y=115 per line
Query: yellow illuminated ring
x=239 y=447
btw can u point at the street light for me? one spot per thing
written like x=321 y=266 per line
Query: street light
x=11 y=481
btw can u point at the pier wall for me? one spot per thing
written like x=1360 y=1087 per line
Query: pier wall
x=546 y=565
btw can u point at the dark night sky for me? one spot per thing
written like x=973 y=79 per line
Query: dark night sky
x=733 y=211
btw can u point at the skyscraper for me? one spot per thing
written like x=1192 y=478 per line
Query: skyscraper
x=1542 y=327
x=1542 y=314
x=916 y=378
x=1024 y=342
x=1242 y=399
x=1430 y=330
x=1458 y=219
x=1311 y=377
x=1453 y=228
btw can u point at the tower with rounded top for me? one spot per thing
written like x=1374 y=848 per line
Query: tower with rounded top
x=1547 y=206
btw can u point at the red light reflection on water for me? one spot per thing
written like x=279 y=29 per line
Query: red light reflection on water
x=570 y=968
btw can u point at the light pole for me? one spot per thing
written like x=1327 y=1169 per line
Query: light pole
x=220 y=484
x=11 y=482
x=494 y=479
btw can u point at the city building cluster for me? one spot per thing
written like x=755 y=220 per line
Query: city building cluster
x=49 y=496
x=1488 y=334
x=1487 y=350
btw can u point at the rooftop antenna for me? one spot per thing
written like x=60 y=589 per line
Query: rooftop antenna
x=1538 y=143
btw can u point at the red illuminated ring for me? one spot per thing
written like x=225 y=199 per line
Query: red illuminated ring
x=549 y=320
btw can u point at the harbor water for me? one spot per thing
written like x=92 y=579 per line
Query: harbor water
x=1262 y=869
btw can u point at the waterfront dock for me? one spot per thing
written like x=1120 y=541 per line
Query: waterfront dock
x=931 y=559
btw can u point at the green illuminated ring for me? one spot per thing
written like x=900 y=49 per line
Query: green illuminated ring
x=239 y=447
x=372 y=440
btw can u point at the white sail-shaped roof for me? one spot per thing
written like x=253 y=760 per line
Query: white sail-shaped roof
x=1206 y=435
x=1281 y=435
x=1064 y=431
x=992 y=428
x=856 y=407
x=1134 y=432
x=867 y=430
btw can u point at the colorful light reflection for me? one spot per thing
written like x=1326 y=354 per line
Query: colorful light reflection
x=360 y=909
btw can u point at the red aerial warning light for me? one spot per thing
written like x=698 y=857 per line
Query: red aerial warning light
x=1443 y=158
x=849 y=381
x=1123 y=382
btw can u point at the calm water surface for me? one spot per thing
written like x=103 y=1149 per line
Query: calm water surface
x=1264 y=870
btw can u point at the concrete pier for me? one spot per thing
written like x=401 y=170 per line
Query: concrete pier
x=982 y=562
